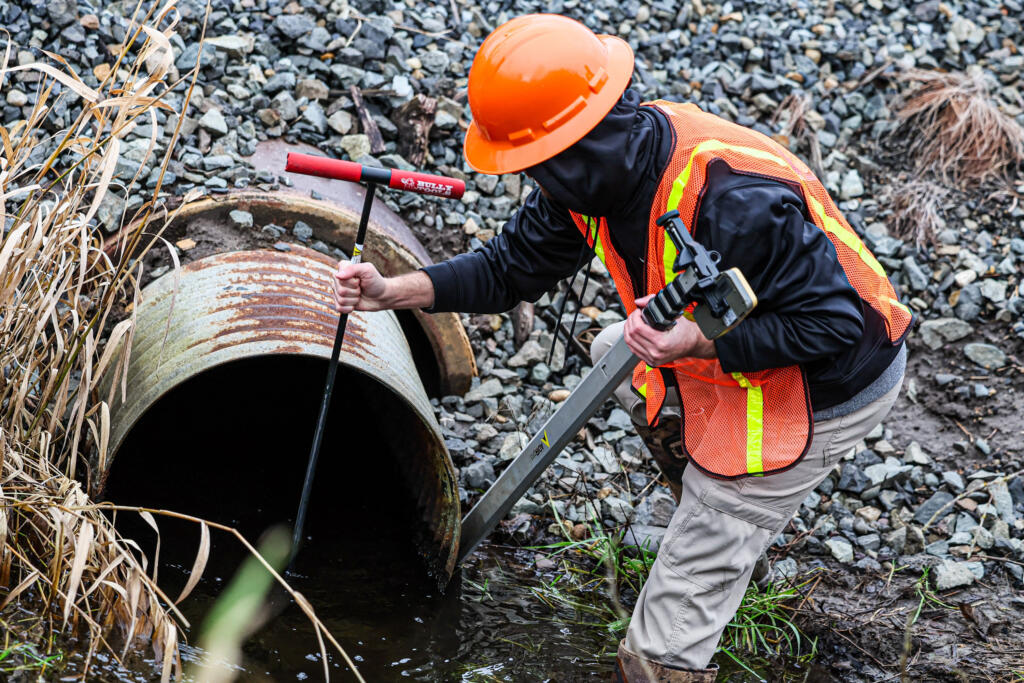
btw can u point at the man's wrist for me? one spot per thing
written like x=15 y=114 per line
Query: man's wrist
x=704 y=348
x=412 y=290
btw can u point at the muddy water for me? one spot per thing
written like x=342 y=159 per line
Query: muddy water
x=231 y=445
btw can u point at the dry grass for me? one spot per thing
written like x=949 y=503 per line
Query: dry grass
x=955 y=130
x=916 y=209
x=792 y=115
x=59 y=291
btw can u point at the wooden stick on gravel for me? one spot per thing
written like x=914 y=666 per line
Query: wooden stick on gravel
x=369 y=125
x=415 y=119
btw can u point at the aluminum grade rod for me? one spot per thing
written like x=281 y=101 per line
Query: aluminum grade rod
x=561 y=428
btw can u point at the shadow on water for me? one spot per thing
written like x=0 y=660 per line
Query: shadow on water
x=231 y=446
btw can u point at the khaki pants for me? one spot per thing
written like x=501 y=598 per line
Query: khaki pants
x=717 y=534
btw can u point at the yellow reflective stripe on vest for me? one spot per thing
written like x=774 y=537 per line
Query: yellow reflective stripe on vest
x=755 y=424
x=900 y=304
x=846 y=236
x=593 y=225
x=642 y=390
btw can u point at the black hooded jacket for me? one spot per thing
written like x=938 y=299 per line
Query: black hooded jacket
x=807 y=314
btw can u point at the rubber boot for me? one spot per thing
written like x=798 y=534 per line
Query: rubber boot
x=664 y=443
x=762 y=571
x=632 y=668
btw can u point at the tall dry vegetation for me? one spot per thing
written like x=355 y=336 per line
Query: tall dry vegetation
x=955 y=136
x=58 y=290
x=956 y=130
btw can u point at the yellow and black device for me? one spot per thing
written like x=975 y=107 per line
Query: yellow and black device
x=722 y=298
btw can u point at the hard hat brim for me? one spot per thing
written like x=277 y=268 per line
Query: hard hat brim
x=494 y=158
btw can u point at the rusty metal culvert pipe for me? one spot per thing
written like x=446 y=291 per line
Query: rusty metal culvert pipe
x=264 y=303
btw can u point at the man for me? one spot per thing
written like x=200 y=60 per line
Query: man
x=762 y=414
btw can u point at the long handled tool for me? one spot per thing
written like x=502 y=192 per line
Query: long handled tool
x=422 y=183
x=723 y=299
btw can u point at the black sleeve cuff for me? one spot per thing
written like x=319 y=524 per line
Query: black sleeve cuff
x=446 y=287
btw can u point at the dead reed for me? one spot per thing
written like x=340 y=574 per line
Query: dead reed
x=792 y=117
x=954 y=129
x=917 y=207
x=59 y=291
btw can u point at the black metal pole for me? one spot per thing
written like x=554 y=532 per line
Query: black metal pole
x=332 y=371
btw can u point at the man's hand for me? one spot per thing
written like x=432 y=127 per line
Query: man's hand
x=655 y=347
x=359 y=287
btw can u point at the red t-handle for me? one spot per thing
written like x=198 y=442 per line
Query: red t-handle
x=410 y=181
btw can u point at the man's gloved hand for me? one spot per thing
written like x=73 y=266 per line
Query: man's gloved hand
x=359 y=287
x=658 y=348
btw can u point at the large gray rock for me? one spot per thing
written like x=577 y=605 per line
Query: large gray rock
x=478 y=475
x=936 y=333
x=294 y=25
x=916 y=275
x=217 y=162
x=531 y=352
x=619 y=419
x=62 y=12
x=489 y=388
x=1003 y=501
x=616 y=509
x=662 y=507
x=605 y=458
x=994 y=291
x=840 y=549
x=951 y=574
x=852 y=479
x=314 y=115
x=435 y=60
x=192 y=54
x=852 y=185
x=897 y=540
x=883 y=472
x=340 y=122
x=214 y=122
x=513 y=444
x=241 y=219
x=987 y=356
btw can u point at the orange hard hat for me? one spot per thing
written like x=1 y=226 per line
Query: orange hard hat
x=538 y=84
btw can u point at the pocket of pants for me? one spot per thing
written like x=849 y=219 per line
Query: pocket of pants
x=719 y=539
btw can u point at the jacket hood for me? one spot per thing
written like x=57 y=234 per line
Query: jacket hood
x=601 y=174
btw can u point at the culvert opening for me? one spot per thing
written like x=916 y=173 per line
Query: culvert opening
x=231 y=445
x=222 y=392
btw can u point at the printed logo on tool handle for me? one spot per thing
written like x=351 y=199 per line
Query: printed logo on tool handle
x=427 y=187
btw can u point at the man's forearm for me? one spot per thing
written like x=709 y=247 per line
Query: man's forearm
x=412 y=290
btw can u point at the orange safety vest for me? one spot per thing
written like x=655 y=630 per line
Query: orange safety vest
x=752 y=423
